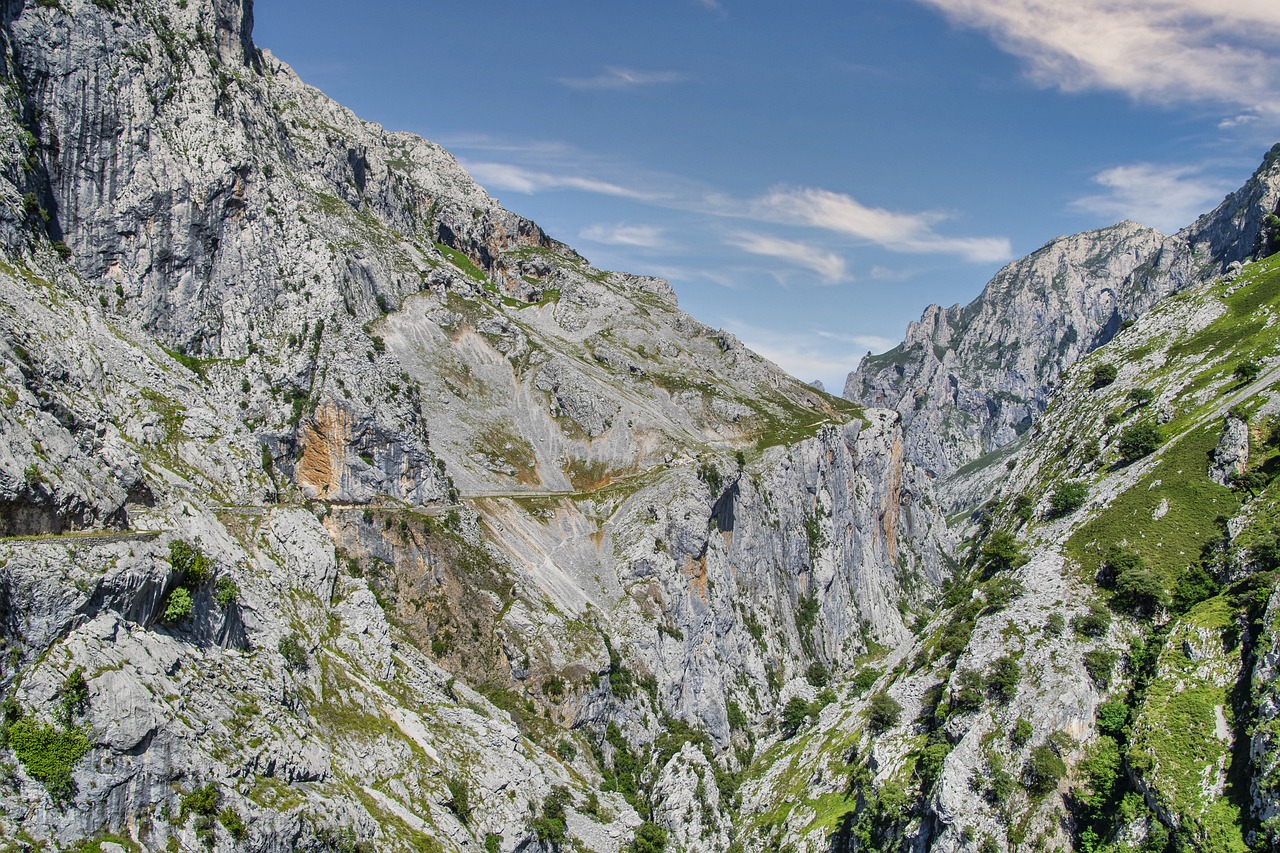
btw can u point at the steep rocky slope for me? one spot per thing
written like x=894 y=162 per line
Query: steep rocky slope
x=971 y=380
x=344 y=509
x=1102 y=673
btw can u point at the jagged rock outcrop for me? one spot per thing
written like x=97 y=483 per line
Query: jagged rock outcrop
x=1232 y=453
x=970 y=380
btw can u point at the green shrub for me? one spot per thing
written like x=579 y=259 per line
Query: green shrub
x=1043 y=771
x=1101 y=663
x=817 y=674
x=1001 y=553
x=1094 y=623
x=1250 y=481
x=1021 y=733
x=806 y=613
x=1100 y=769
x=566 y=750
x=1247 y=370
x=459 y=797
x=1264 y=554
x=1112 y=717
x=180 y=606
x=492 y=842
x=73 y=696
x=710 y=475
x=189 y=563
x=649 y=838
x=230 y=818
x=1102 y=376
x=1139 y=440
x=203 y=801
x=1054 y=625
x=294 y=654
x=1000 y=594
x=1139 y=590
x=550 y=826
x=883 y=712
x=1023 y=507
x=967 y=691
x=48 y=754
x=1067 y=498
x=1136 y=588
x=955 y=636
x=226 y=592
x=1002 y=682
x=795 y=714
x=1141 y=397
x=824 y=698
x=1000 y=781
x=864 y=680
x=932 y=757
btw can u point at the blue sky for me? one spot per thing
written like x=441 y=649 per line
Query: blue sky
x=811 y=175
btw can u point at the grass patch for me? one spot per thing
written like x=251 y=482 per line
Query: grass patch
x=782 y=421
x=1176 y=742
x=464 y=264
x=1171 y=543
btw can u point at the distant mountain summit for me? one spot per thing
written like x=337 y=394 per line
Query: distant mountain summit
x=970 y=380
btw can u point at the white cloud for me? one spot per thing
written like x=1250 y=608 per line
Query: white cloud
x=1164 y=197
x=872 y=343
x=1165 y=51
x=621 y=234
x=880 y=273
x=623 y=78
x=828 y=265
x=554 y=169
x=899 y=232
x=506 y=176
x=1237 y=121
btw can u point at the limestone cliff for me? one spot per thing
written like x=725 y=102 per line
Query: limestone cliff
x=345 y=509
x=970 y=380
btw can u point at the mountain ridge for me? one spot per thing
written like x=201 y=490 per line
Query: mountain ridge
x=344 y=510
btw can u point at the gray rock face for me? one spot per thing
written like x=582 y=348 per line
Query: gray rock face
x=1264 y=747
x=1237 y=230
x=430 y=456
x=970 y=380
x=1232 y=453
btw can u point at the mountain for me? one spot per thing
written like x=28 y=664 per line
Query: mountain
x=970 y=380
x=1101 y=672
x=342 y=509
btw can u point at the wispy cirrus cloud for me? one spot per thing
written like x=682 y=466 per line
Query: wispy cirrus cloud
x=507 y=176
x=829 y=266
x=622 y=234
x=872 y=343
x=1164 y=197
x=899 y=232
x=556 y=169
x=1163 y=51
x=623 y=78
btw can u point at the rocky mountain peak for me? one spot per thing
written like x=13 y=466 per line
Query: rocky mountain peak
x=1239 y=229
